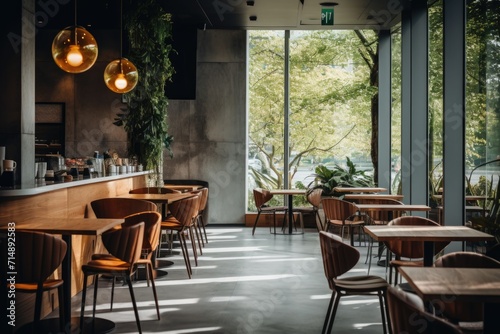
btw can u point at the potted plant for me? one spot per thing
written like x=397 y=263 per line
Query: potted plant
x=327 y=179
x=149 y=31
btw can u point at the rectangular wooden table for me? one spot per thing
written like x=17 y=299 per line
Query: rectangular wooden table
x=461 y=284
x=290 y=193
x=68 y=227
x=359 y=189
x=372 y=196
x=183 y=187
x=427 y=234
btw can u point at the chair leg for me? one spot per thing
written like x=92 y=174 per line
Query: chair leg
x=112 y=292
x=199 y=237
x=193 y=245
x=204 y=230
x=381 y=300
x=149 y=268
x=328 y=313
x=84 y=295
x=136 y=312
x=38 y=305
x=60 y=297
x=96 y=285
x=334 y=312
x=185 y=253
x=255 y=223
x=386 y=308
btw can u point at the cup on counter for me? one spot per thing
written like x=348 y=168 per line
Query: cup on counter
x=123 y=169
x=112 y=169
x=9 y=165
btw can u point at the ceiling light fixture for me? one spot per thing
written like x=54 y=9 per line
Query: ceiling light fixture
x=121 y=75
x=74 y=49
x=328 y=4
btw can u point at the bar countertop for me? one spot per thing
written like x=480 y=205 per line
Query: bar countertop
x=37 y=189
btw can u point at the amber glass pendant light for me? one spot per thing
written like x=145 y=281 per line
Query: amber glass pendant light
x=121 y=75
x=74 y=49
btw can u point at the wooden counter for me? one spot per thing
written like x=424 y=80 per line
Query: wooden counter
x=63 y=200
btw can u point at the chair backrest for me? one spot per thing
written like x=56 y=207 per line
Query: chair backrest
x=184 y=210
x=338 y=257
x=338 y=210
x=314 y=197
x=154 y=190
x=125 y=243
x=116 y=207
x=412 y=249
x=152 y=228
x=408 y=316
x=381 y=216
x=38 y=255
x=203 y=199
x=261 y=197
x=465 y=311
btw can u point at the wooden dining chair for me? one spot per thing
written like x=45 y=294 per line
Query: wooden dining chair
x=467 y=315
x=38 y=256
x=200 y=221
x=183 y=213
x=116 y=207
x=343 y=215
x=338 y=259
x=125 y=244
x=409 y=253
x=262 y=198
x=313 y=197
x=381 y=217
x=152 y=225
x=407 y=315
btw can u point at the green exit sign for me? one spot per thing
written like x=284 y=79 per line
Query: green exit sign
x=327 y=16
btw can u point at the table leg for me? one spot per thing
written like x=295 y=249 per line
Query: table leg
x=290 y=214
x=491 y=320
x=428 y=253
x=66 y=276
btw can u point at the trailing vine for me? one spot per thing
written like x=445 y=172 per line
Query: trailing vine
x=149 y=31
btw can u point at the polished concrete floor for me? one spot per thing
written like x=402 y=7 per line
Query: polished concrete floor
x=243 y=284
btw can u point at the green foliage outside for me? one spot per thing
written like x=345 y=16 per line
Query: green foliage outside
x=330 y=99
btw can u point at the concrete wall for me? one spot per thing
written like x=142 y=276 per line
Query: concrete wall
x=210 y=132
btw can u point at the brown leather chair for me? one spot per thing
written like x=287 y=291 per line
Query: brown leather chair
x=38 y=256
x=152 y=225
x=341 y=214
x=314 y=198
x=407 y=315
x=465 y=313
x=183 y=213
x=381 y=217
x=125 y=245
x=200 y=222
x=262 y=197
x=409 y=253
x=338 y=259
x=116 y=207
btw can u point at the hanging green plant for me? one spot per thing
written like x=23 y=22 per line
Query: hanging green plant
x=149 y=31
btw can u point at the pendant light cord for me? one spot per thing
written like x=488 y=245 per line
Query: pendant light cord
x=76 y=36
x=121 y=35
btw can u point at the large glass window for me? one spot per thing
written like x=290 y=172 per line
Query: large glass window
x=333 y=91
x=482 y=96
x=435 y=92
x=396 y=111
